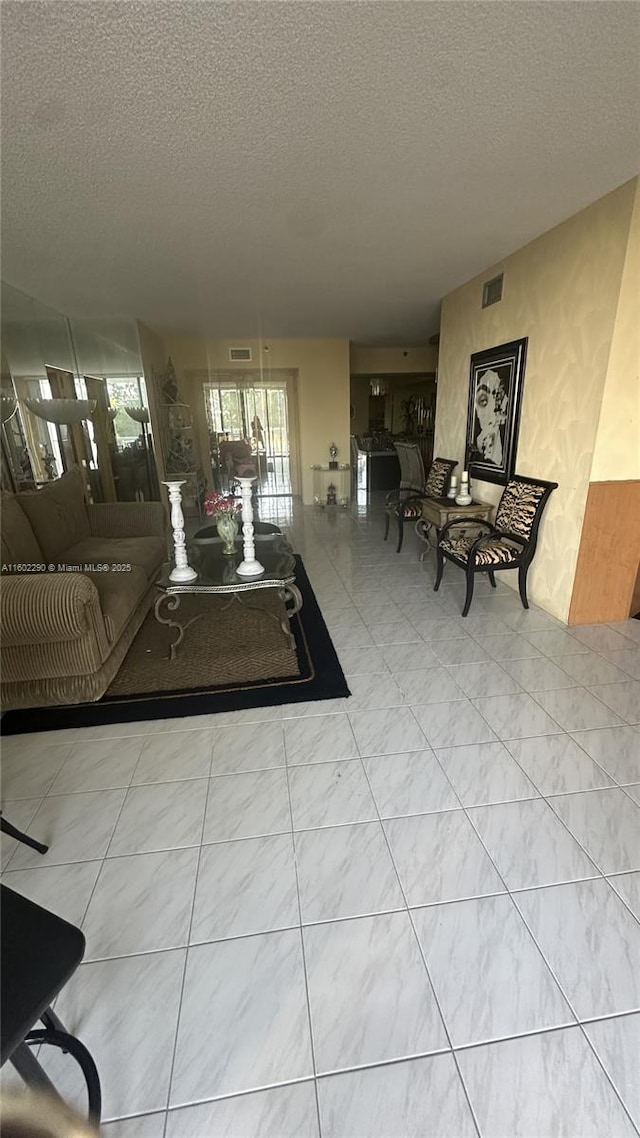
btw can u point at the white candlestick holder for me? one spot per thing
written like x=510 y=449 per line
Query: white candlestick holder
x=249 y=566
x=182 y=571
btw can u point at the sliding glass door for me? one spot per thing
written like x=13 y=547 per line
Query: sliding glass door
x=254 y=413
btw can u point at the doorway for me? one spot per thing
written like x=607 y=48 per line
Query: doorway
x=258 y=412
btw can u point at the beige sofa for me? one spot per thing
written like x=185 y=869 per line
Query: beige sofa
x=68 y=615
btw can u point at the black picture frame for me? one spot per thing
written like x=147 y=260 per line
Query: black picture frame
x=493 y=413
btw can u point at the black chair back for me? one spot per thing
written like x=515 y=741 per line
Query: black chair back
x=412 y=477
x=520 y=509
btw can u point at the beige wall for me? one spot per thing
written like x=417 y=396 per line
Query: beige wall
x=373 y=361
x=617 y=451
x=322 y=388
x=562 y=292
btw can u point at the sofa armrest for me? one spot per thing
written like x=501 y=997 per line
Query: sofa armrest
x=47 y=607
x=128 y=519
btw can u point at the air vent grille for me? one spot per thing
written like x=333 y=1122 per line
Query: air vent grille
x=239 y=354
x=492 y=291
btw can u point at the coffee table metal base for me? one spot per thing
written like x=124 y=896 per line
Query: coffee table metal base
x=288 y=592
x=173 y=603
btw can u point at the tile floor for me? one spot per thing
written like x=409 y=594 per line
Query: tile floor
x=415 y=912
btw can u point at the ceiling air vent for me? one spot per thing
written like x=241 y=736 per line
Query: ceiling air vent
x=492 y=291
x=238 y=354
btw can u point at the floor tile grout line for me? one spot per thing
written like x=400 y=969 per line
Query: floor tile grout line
x=518 y=909
x=548 y=884
x=584 y=688
x=636 y=916
x=608 y=1076
x=566 y=997
x=580 y=1021
x=116 y=741
x=186 y=952
x=303 y=953
x=596 y=790
x=424 y=961
x=260 y=1089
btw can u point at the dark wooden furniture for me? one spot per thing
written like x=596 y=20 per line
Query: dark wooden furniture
x=509 y=544
x=40 y=952
x=405 y=503
x=436 y=512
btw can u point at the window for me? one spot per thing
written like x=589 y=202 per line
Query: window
x=126 y=391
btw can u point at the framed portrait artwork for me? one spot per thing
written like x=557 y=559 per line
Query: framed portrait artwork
x=493 y=417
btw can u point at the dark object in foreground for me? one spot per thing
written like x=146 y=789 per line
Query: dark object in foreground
x=40 y=952
x=20 y=836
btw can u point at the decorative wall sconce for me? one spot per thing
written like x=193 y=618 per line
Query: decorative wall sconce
x=8 y=407
x=63 y=412
x=138 y=414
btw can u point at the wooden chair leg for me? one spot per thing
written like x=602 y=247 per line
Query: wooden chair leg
x=400 y=532
x=522 y=585
x=440 y=568
x=386 y=525
x=469 y=596
x=492 y=578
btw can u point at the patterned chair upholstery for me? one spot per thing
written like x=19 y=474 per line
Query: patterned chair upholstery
x=509 y=544
x=405 y=503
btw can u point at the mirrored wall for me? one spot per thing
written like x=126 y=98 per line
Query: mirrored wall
x=73 y=391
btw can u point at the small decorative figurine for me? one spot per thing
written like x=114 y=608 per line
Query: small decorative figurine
x=333 y=452
x=332 y=495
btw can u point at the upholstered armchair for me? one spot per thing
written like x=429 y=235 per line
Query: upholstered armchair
x=509 y=544
x=405 y=503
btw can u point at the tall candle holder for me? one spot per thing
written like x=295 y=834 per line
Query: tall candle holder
x=453 y=486
x=182 y=571
x=249 y=566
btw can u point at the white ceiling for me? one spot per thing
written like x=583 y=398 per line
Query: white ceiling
x=301 y=169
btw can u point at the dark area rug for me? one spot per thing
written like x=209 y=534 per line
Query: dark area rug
x=232 y=657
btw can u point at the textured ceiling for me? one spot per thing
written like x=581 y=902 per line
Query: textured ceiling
x=301 y=169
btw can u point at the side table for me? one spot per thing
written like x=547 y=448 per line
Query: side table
x=437 y=512
x=323 y=477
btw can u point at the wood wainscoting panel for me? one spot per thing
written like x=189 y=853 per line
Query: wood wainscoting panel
x=608 y=565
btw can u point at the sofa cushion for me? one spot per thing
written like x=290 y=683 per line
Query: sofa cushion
x=147 y=552
x=19 y=543
x=120 y=594
x=58 y=513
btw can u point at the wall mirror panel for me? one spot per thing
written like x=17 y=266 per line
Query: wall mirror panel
x=80 y=397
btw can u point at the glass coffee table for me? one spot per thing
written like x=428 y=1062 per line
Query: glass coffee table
x=217 y=576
